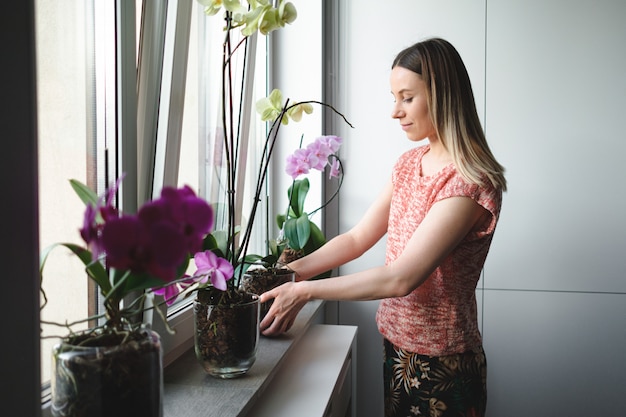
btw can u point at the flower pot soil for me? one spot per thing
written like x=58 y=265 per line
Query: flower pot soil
x=112 y=374
x=258 y=281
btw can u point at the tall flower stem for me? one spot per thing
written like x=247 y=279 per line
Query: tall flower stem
x=268 y=149
x=231 y=131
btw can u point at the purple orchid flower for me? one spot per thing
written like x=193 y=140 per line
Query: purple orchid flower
x=192 y=215
x=169 y=293
x=218 y=269
x=335 y=169
x=333 y=142
x=315 y=156
x=299 y=163
x=92 y=230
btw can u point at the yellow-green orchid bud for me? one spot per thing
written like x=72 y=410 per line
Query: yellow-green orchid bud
x=211 y=7
x=253 y=18
x=268 y=22
x=270 y=107
x=295 y=113
x=233 y=6
x=287 y=13
x=239 y=18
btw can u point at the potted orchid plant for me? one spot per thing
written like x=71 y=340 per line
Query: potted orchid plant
x=299 y=235
x=219 y=343
x=226 y=319
x=224 y=344
x=116 y=366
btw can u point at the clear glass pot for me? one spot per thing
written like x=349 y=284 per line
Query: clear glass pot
x=226 y=332
x=108 y=374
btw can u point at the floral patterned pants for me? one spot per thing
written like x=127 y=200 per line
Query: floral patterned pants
x=434 y=386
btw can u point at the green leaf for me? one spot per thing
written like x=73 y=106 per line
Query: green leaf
x=303 y=226
x=247 y=262
x=280 y=220
x=316 y=240
x=297 y=193
x=140 y=282
x=93 y=268
x=86 y=194
x=270 y=259
x=274 y=248
x=217 y=240
x=297 y=231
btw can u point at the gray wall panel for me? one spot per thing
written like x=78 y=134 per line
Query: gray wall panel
x=555 y=354
x=556 y=96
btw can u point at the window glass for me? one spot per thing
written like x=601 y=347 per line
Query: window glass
x=200 y=157
x=188 y=171
x=63 y=121
x=210 y=146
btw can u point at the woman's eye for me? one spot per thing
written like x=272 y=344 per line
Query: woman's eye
x=407 y=100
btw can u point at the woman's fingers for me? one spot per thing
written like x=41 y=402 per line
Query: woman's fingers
x=283 y=312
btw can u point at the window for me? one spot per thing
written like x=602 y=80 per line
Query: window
x=121 y=90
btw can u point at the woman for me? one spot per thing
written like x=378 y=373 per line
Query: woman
x=439 y=211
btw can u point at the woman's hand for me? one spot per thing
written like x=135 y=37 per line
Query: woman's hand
x=287 y=304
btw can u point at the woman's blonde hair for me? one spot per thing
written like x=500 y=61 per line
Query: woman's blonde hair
x=452 y=108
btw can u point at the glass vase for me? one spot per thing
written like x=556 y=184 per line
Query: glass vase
x=226 y=331
x=108 y=374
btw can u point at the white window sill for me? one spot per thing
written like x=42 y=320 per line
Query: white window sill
x=190 y=392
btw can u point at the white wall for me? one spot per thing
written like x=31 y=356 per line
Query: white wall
x=550 y=87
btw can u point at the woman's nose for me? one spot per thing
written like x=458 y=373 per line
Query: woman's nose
x=396 y=112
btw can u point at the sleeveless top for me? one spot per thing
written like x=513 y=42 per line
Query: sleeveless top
x=439 y=317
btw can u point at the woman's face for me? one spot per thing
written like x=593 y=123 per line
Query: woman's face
x=410 y=108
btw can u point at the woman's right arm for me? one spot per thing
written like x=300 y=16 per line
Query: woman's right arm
x=349 y=245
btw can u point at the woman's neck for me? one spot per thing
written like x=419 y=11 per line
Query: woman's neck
x=435 y=159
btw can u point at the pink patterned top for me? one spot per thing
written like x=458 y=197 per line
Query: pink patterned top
x=439 y=317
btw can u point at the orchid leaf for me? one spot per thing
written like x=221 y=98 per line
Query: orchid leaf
x=303 y=226
x=94 y=268
x=270 y=259
x=316 y=240
x=280 y=220
x=298 y=192
x=297 y=231
x=247 y=262
x=218 y=240
x=86 y=194
x=140 y=282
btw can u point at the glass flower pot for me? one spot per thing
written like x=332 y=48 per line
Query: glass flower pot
x=226 y=331
x=258 y=281
x=108 y=374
